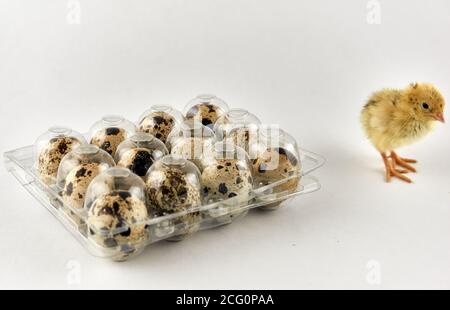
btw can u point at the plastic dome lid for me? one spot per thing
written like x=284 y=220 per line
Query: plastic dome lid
x=113 y=121
x=84 y=154
x=176 y=162
x=272 y=136
x=178 y=117
x=54 y=133
x=142 y=140
x=226 y=151
x=235 y=118
x=207 y=99
x=171 y=162
x=191 y=129
x=115 y=180
x=51 y=147
x=206 y=109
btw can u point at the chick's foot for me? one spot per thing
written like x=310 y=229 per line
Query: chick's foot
x=392 y=171
x=403 y=162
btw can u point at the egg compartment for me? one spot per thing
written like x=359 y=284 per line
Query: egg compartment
x=226 y=211
x=277 y=161
x=191 y=140
x=240 y=127
x=20 y=162
x=174 y=187
x=76 y=171
x=190 y=128
x=175 y=227
x=116 y=251
x=159 y=121
x=116 y=211
x=139 y=152
x=50 y=148
x=110 y=131
x=227 y=178
x=206 y=109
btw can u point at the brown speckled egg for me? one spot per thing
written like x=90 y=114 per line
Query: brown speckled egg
x=77 y=182
x=51 y=155
x=113 y=211
x=243 y=137
x=206 y=113
x=108 y=139
x=226 y=178
x=138 y=160
x=169 y=192
x=267 y=169
x=192 y=149
x=159 y=124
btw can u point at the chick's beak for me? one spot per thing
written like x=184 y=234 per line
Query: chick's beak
x=440 y=117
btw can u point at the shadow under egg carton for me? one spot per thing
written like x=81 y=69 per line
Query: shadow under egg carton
x=171 y=227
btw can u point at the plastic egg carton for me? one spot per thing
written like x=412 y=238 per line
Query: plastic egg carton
x=19 y=162
x=170 y=226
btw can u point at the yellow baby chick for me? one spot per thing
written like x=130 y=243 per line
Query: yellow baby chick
x=393 y=118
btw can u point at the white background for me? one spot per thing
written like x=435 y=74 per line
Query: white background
x=308 y=65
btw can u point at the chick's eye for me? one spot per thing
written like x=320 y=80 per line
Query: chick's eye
x=425 y=106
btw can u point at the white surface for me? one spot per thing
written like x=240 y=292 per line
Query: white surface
x=308 y=65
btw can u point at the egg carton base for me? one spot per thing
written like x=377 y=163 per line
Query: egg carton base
x=19 y=163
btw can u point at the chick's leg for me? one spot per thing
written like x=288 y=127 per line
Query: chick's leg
x=391 y=171
x=387 y=166
x=403 y=162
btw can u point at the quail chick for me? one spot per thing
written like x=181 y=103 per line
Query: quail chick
x=393 y=118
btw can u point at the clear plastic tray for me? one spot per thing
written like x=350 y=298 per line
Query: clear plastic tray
x=20 y=163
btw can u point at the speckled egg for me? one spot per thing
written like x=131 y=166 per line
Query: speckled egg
x=192 y=149
x=108 y=139
x=170 y=191
x=206 y=113
x=115 y=210
x=276 y=164
x=138 y=160
x=227 y=178
x=77 y=182
x=243 y=137
x=51 y=155
x=159 y=124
